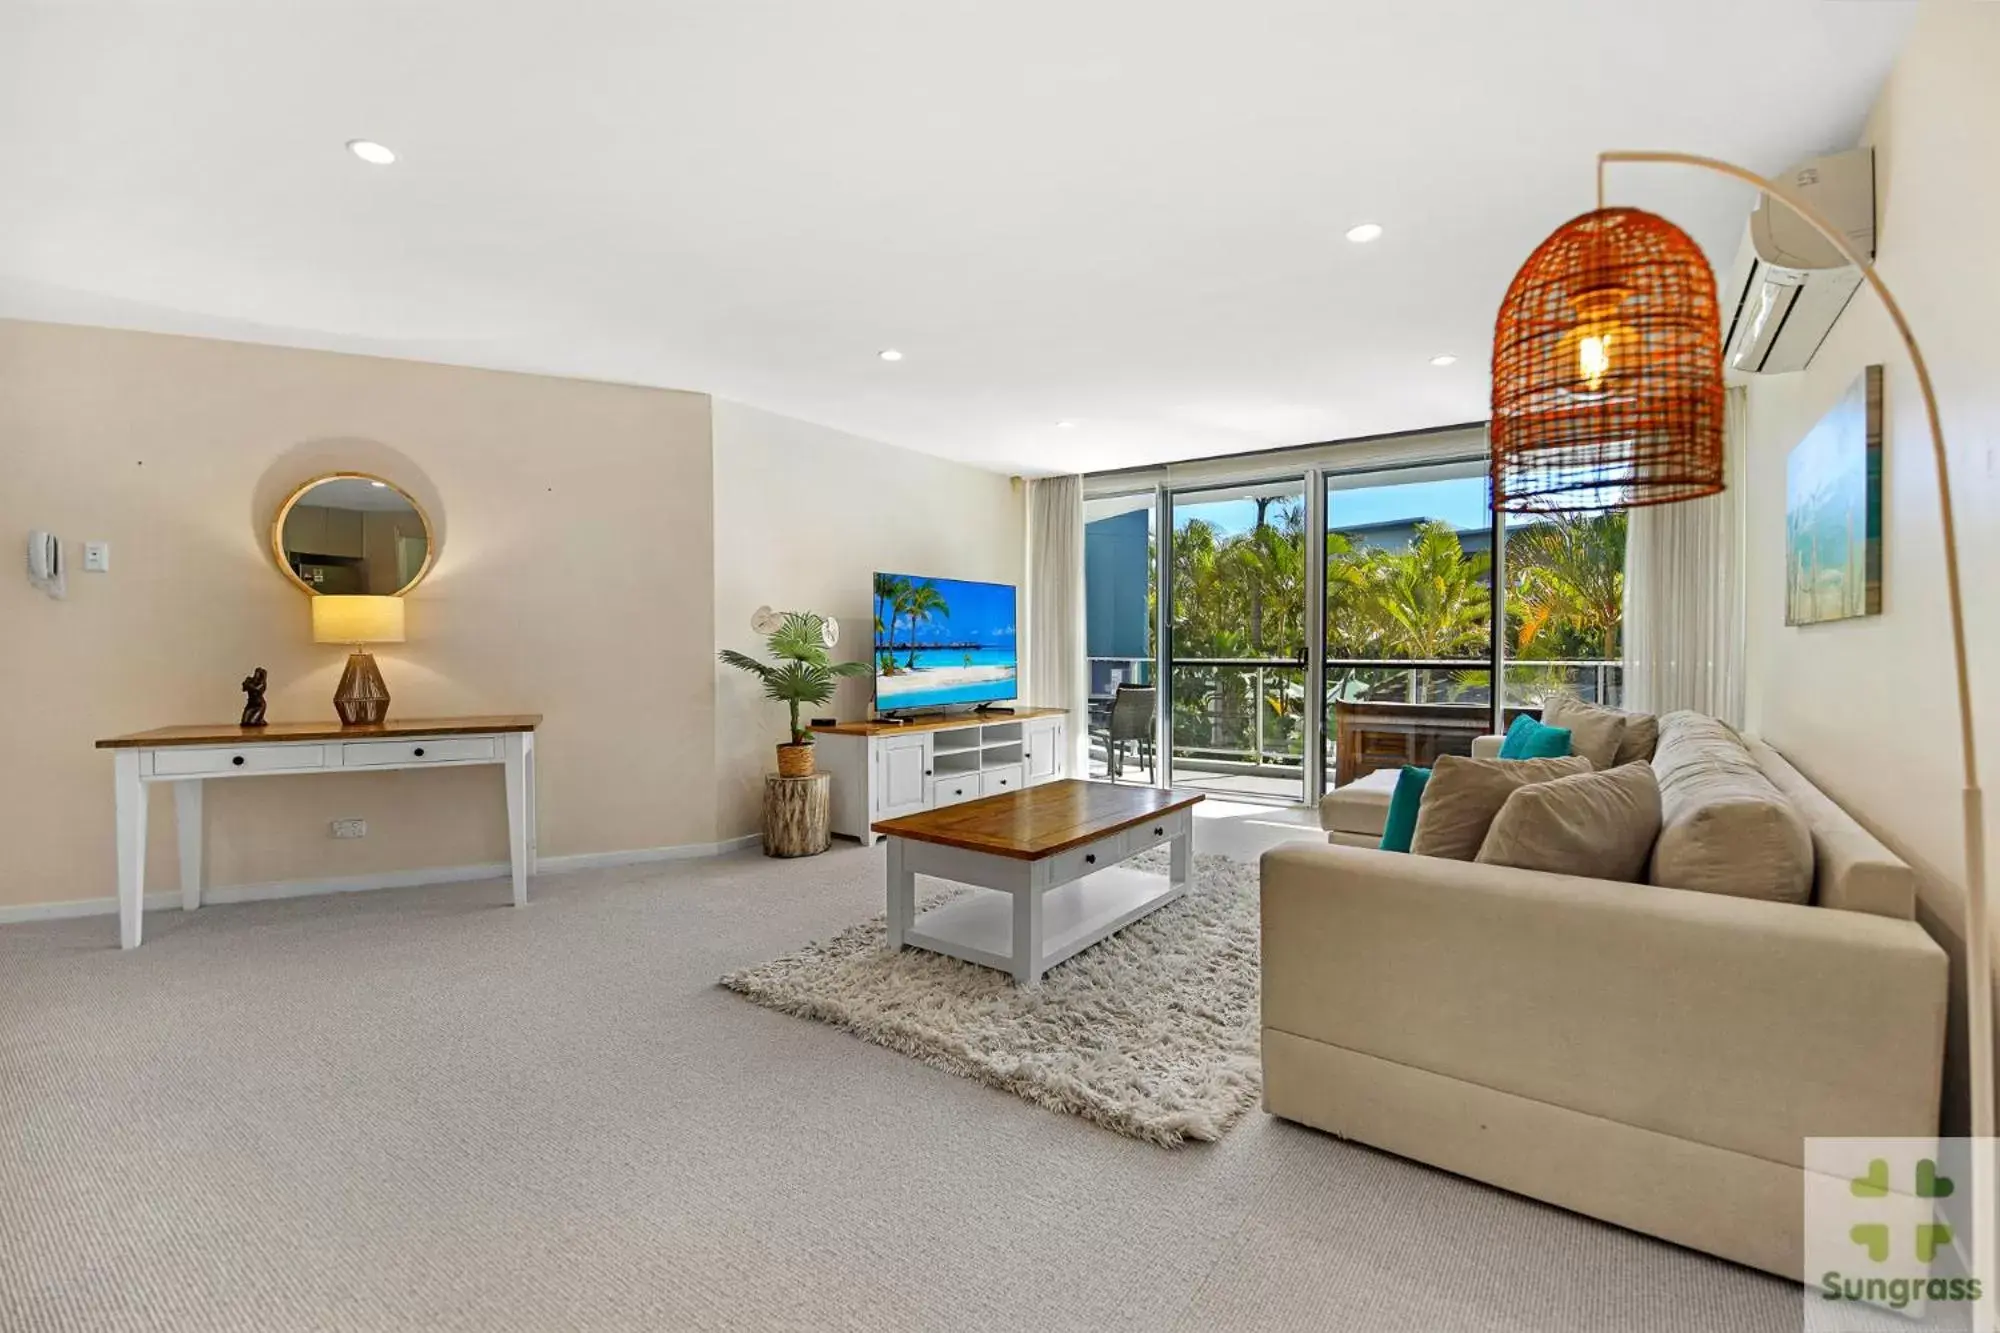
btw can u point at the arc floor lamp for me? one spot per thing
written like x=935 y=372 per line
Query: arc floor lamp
x=1607 y=392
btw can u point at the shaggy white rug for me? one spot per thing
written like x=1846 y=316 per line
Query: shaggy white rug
x=1152 y=1033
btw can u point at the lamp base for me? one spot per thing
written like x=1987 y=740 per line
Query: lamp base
x=363 y=696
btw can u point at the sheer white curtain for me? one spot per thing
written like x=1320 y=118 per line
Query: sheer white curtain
x=1058 y=676
x=1684 y=567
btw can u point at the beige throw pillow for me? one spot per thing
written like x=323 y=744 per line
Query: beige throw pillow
x=1642 y=737
x=1595 y=733
x=1464 y=794
x=1600 y=825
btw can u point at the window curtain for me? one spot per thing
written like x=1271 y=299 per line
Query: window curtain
x=1057 y=674
x=1684 y=630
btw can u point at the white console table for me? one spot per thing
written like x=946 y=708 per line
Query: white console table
x=885 y=770
x=191 y=756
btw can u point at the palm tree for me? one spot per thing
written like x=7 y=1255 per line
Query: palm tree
x=1568 y=598
x=920 y=602
x=889 y=592
x=1434 y=598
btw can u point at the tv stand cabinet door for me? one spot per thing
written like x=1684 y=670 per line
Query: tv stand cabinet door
x=902 y=775
x=1046 y=754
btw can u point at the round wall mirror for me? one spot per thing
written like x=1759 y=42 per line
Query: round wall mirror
x=352 y=534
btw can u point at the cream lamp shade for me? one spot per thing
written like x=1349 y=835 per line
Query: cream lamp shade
x=356 y=619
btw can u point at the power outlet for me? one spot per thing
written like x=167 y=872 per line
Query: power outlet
x=350 y=828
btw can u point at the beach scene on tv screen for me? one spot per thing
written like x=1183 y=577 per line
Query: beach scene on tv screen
x=942 y=641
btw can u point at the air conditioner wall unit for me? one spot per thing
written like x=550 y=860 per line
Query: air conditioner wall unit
x=1789 y=284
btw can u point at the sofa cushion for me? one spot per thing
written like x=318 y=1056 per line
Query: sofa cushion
x=1361 y=806
x=1464 y=794
x=1600 y=825
x=1595 y=733
x=1642 y=739
x=1724 y=827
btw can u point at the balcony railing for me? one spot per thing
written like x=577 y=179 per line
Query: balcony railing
x=1237 y=724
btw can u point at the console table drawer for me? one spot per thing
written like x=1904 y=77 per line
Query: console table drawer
x=190 y=761
x=422 y=750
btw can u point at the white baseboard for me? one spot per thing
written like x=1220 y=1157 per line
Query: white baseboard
x=389 y=879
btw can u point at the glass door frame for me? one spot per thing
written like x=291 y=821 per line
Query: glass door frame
x=1168 y=498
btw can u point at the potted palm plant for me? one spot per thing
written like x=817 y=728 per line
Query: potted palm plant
x=801 y=674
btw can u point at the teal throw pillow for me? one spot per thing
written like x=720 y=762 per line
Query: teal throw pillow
x=1401 y=824
x=1529 y=739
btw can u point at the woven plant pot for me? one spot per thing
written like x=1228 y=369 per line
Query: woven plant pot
x=795 y=761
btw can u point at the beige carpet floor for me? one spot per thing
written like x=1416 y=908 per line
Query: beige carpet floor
x=424 y=1109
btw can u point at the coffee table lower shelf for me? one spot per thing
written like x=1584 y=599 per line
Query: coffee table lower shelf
x=980 y=926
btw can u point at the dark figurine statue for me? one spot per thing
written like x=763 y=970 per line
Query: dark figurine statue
x=254 y=686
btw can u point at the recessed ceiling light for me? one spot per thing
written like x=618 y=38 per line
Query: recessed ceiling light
x=1065 y=425
x=1366 y=232
x=380 y=485
x=890 y=354
x=1446 y=360
x=374 y=154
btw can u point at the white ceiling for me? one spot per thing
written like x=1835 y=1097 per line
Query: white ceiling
x=1124 y=213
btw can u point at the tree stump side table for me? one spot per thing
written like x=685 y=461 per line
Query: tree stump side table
x=795 y=814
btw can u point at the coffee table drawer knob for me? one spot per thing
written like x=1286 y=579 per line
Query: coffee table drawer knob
x=1090 y=859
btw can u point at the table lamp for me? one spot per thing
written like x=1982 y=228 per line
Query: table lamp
x=363 y=696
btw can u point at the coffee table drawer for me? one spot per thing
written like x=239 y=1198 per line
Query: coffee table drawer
x=1153 y=833
x=1085 y=860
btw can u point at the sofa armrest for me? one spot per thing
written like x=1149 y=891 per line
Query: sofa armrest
x=1734 y=1022
x=1486 y=747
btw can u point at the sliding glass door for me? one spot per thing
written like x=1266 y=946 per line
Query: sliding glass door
x=1236 y=652
x=1409 y=617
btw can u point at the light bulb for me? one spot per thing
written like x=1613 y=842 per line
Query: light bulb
x=1593 y=359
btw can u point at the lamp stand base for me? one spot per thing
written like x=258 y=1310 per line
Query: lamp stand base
x=363 y=696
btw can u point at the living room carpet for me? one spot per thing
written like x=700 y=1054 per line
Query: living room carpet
x=1151 y=1033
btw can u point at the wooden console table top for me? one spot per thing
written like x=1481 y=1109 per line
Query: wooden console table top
x=936 y=723
x=224 y=734
x=1040 y=821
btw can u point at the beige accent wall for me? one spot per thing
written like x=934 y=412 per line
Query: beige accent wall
x=574 y=578
x=804 y=516
x=1866 y=707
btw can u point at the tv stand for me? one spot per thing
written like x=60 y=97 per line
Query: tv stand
x=882 y=769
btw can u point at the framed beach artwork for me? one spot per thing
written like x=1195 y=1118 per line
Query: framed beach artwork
x=1833 y=511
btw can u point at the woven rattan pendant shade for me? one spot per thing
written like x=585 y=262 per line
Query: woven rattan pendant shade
x=1607 y=370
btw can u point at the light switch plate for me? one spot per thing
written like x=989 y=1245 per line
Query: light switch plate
x=97 y=557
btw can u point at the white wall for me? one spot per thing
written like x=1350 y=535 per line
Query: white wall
x=804 y=516
x=1866 y=707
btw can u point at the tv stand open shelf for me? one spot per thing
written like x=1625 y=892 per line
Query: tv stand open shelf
x=882 y=770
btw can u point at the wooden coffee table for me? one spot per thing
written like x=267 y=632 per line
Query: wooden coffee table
x=1050 y=857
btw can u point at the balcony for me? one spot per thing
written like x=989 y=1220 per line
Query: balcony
x=1237 y=728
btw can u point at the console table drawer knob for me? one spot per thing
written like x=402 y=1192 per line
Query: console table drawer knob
x=237 y=760
x=1158 y=832
x=420 y=752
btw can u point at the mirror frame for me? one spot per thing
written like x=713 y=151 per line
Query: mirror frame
x=299 y=493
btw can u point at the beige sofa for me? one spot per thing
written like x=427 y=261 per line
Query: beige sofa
x=1650 y=1056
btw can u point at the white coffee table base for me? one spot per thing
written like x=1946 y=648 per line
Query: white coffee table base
x=1024 y=917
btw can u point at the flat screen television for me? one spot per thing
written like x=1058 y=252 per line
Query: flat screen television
x=943 y=641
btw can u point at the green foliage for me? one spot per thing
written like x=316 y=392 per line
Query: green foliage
x=802 y=673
